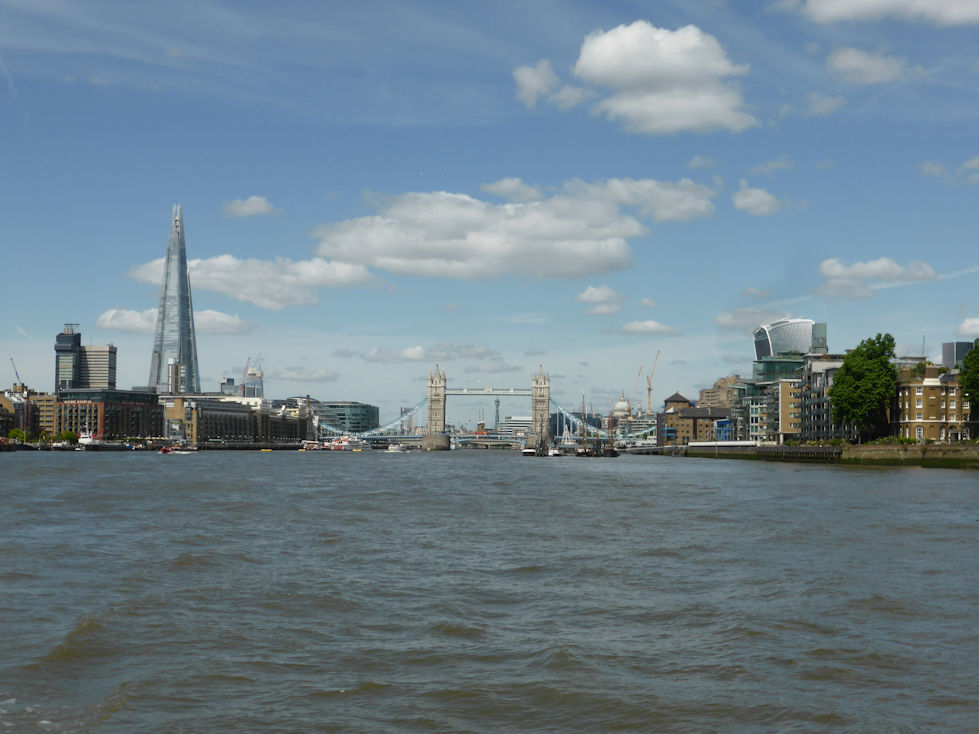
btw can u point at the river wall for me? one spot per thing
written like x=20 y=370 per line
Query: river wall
x=964 y=456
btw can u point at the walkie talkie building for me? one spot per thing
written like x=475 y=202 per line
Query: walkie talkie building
x=173 y=367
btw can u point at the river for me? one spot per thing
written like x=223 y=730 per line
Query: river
x=483 y=591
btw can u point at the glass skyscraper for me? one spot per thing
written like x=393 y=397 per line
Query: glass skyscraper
x=173 y=367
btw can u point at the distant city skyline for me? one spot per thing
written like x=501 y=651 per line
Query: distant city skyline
x=490 y=187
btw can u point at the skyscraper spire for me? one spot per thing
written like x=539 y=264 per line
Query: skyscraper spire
x=173 y=366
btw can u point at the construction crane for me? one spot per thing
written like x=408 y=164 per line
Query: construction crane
x=16 y=374
x=635 y=386
x=649 y=384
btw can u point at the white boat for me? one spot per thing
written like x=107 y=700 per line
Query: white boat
x=396 y=448
x=349 y=443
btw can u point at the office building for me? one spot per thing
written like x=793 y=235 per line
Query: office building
x=77 y=366
x=954 y=352
x=788 y=336
x=173 y=366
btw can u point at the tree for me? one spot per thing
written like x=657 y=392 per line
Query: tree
x=864 y=388
x=969 y=382
x=17 y=435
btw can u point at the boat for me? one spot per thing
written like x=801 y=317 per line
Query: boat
x=87 y=441
x=528 y=452
x=349 y=443
x=396 y=448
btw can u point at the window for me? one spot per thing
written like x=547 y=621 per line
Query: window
x=951 y=404
x=918 y=417
x=918 y=403
x=919 y=432
x=951 y=391
x=917 y=390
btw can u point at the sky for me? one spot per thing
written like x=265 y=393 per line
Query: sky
x=369 y=188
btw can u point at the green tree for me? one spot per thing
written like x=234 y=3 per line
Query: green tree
x=17 y=435
x=864 y=388
x=69 y=436
x=969 y=382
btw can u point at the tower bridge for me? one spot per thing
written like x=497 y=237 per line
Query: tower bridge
x=435 y=436
x=436 y=439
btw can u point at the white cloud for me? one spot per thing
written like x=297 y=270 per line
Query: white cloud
x=967 y=172
x=822 y=105
x=302 y=374
x=756 y=202
x=441 y=352
x=272 y=284
x=782 y=163
x=755 y=292
x=514 y=189
x=940 y=12
x=534 y=82
x=598 y=294
x=216 y=322
x=647 y=303
x=253 y=205
x=121 y=319
x=144 y=322
x=581 y=230
x=491 y=368
x=649 y=327
x=859 y=280
x=540 y=82
x=701 y=161
x=662 y=81
x=747 y=319
x=861 y=67
x=969 y=327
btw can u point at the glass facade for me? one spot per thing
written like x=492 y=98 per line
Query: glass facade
x=783 y=337
x=175 y=342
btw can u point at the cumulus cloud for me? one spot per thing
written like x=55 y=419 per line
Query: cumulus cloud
x=514 y=189
x=252 y=206
x=605 y=300
x=756 y=202
x=441 y=352
x=747 y=319
x=647 y=303
x=822 y=105
x=782 y=163
x=272 y=284
x=660 y=81
x=580 y=230
x=649 y=327
x=859 y=280
x=861 y=67
x=969 y=328
x=540 y=82
x=122 y=319
x=144 y=322
x=939 y=12
x=302 y=374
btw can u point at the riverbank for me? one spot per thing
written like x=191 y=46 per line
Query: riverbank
x=961 y=456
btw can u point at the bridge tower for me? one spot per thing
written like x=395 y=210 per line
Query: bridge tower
x=540 y=401
x=435 y=438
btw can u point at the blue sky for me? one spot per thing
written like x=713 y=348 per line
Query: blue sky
x=370 y=187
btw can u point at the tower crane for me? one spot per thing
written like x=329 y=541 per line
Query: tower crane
x=635 y=386
x=649 y=384
x=16 y=374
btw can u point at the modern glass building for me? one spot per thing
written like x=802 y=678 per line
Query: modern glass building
x=173 y=367
x=783 y=337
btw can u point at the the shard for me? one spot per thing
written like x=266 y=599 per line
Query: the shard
x=174 y=367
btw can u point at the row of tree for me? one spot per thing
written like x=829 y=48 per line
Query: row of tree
x=865 y=386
